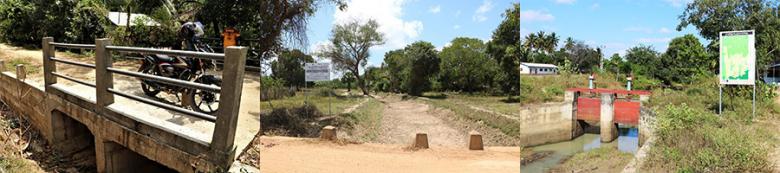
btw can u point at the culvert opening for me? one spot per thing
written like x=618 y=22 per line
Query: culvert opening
x=74 y=141
x=120 y=159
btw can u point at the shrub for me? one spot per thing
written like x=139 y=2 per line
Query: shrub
x=693 y=140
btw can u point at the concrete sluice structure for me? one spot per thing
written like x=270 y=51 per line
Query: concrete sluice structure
x=125 y=134
x=564 y=121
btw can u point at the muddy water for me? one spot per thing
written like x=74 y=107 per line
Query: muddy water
x=628 y=142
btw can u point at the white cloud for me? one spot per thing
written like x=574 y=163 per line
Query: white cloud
x=678 y=3
x=479 y=15
x=534 y=15
x=654 y=40
x=397 y=31
x=456 y=27
x=565 y=1
x=595 y=6
x=664 y=30
x=435 y=9
x=457 y=14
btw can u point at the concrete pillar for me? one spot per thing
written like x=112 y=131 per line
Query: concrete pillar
x=222 y=143
x=21 y=72
x=475 y=141
x=328 y=133
x=420 y=141
x=609 y=131
x=570 y=113
x=103 y=78
x=48 y=64
x=2 y=66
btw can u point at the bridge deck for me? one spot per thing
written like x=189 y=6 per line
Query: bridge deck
x=186 y=126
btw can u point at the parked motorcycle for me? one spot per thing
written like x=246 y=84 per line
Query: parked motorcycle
x=183 y=68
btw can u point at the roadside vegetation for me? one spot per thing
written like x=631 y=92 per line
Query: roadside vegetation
x=604 y=159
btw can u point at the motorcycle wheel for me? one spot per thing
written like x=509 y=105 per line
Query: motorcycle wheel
x=205 y=101
x=146 y=85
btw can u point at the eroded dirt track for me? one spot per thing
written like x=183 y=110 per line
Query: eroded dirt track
x=282 y=154
x=402 y=119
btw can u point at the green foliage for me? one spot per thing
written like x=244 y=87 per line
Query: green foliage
x=289 y=66
x=711 y=144
x=684 y=59
x=396 y=64
x=643 y=60
x=505 y=47
x=465 y=67
x=583 y=57
x=424 y=62
x=349 y=47
x=27 y=22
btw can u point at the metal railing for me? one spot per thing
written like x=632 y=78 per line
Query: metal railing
x=230 y=90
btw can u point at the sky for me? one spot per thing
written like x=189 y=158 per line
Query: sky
x=614 y=25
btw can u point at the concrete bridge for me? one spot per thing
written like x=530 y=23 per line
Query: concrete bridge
x=123 y=129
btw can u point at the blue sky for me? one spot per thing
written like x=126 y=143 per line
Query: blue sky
x=615 y=25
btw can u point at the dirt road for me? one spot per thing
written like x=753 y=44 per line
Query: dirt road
x=402 y=119
x=283 y=154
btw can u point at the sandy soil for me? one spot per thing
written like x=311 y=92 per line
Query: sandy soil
x=282 y=154
x=402 y=119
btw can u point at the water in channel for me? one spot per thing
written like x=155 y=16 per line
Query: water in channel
x=627 y=141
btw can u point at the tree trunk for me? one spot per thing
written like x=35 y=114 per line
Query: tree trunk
x=360 y=82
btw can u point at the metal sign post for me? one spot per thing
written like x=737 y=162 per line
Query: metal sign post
x=737 y=62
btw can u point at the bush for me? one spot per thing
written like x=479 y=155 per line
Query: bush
x=304 y=121
x=693 y=140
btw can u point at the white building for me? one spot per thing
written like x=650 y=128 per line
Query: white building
x=538 y=69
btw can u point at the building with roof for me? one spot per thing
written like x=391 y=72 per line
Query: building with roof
x=120 y=19
x=538 y=69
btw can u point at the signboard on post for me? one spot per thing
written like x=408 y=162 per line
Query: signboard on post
x=737 y=58
x=737 y=62
x=317 y=72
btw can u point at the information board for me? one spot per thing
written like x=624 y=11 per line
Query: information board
x=737 y=58
x=317 y=72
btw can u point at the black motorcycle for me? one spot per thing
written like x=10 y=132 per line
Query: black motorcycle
x=183 y=68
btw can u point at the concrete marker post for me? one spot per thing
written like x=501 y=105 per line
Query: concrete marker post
x=420 y=141
x=2 y=66
x=222 y=143
x=328 y=133
x=21 y=72
x=475 y=141
x=609 y=131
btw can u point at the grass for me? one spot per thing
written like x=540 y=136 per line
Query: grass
x=604 y=159
x=337 y=103
x=10 y=65
x=366 y=120
x=691 y=137
x=507 y=126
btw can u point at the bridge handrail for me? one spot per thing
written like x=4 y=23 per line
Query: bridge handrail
x=192 y=54
x=73 y=46
x=613 y=91
x=234 y=58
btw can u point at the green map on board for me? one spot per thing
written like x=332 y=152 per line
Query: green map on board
x=735 y=58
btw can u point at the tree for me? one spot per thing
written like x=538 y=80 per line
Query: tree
x=465 y=67
x=711 y=17
x=289 y=66
x=684 y=59
x=506 y=50
x=349 y=47
x=423 y=64
x=582 y=56
x=267 y=21
x=643 y=59
x=396 y=64
x=348 y=78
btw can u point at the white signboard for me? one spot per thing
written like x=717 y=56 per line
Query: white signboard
x=317 y=72
x=738 y=58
